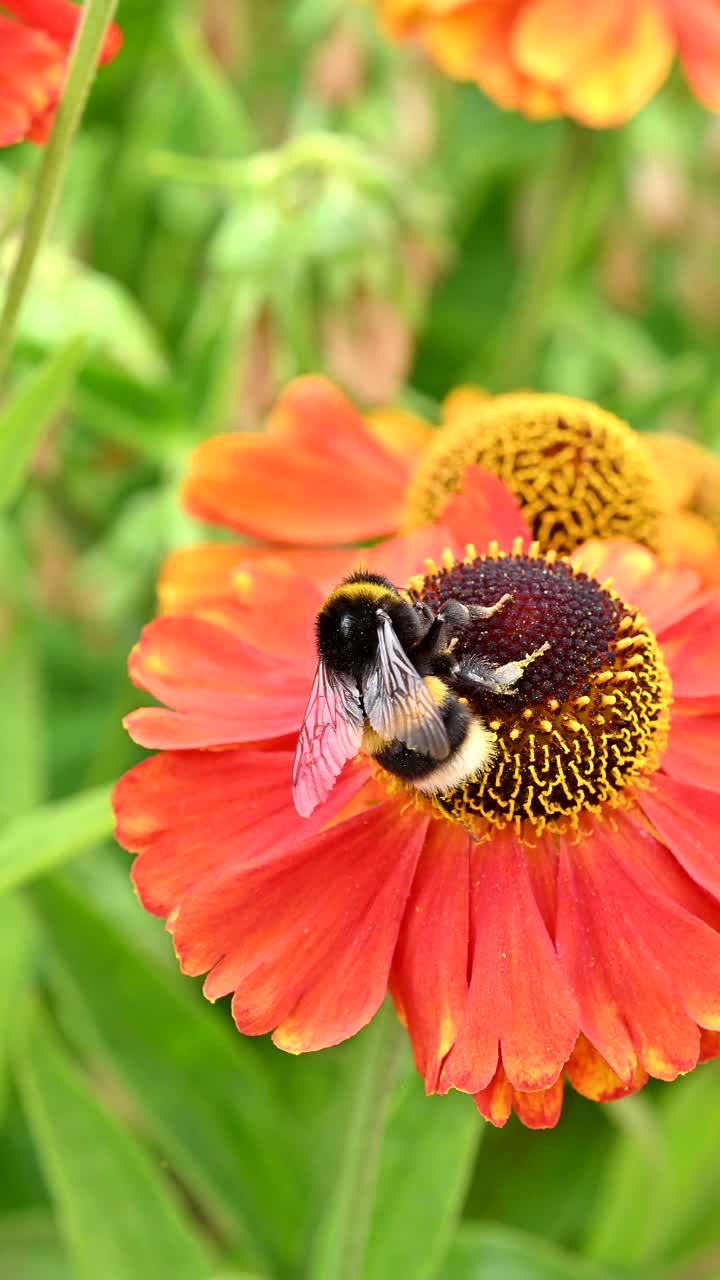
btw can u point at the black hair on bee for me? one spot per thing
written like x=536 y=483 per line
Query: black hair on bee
x=387 y=681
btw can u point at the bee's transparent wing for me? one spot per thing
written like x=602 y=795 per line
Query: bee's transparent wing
x=330 y=734
x=397 y=701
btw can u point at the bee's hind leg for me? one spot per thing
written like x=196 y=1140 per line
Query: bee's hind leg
x=474 y=675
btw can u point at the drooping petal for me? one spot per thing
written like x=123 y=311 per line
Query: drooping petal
x=644 y=970
x=604 y=64
x=190 y=815
x=317 y=475
x=591 y=1076
x=693 y=750
x=305 y=938
x=688 y=820
x=697 y=30
x=483 y=510
x=429 y=974
x=519 y=1003
x=539 y=1109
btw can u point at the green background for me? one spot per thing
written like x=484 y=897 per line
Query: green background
x=312 y=199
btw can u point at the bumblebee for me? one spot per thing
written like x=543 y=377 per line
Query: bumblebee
x=388 y=681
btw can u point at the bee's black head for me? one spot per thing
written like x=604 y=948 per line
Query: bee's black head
x=347 y=624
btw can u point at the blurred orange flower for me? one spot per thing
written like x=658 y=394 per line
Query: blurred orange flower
x=599 y=61
x=34 y=44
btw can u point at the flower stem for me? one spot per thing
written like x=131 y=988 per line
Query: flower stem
x=580 y=187
x=340 y=1248
x=96 y=17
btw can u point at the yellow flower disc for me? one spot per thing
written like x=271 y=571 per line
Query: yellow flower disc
x=577 y=471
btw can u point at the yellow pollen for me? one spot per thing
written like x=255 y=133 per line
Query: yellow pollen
x=626 y=642
x=515 y=733
x=494 y=549
x=627 y=622
x=553 y=704
x=546 y=726
x=576 y=471
x=517 y=546
x=534 y=550
x=470 y=552
x=430 y=566
x=448 y=559
x=582 y=701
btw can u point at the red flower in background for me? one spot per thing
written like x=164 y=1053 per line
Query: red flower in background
x=558 y=918
x=34 y=44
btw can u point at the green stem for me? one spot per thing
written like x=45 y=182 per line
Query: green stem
x=580 y=187
x=96 y=17
x=340 y=1249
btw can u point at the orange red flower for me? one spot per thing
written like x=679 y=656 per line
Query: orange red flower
x=34 y=44
x=558 y=920
x=599 y=62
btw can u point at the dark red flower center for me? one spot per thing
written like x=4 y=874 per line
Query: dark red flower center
x=587 y=718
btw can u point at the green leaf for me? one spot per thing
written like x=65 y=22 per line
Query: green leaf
x=22 y=777
x=427 y=1159
x=30 y=412
x=41 y=840
x=30 y=1248
x=225 y=1128
x=15 y=957
x=117 y=1214
x=488 y=1252
x=667 y=1141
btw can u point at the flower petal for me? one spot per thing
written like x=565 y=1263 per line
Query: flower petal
x=591 y=1076
x=484 y=510
x=401 y=557
x=305 y=937
x=317 y=475
x=193 y=814
x=429 y=974
x=32 y=72
x=519 y=1001
x=537 y=1110
x=628 y=72
x=59 y=18
x=693 y=749
x=644 y=970
x=225 y=691
x=690 y=648
x=688 y=820
x=550 y=44
x=199 y=575
x=697 y=29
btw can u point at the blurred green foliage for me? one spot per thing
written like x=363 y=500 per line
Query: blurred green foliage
x=259 y=190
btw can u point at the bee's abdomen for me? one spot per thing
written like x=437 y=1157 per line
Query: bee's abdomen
x=412 y=766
